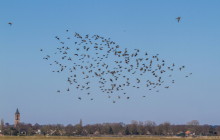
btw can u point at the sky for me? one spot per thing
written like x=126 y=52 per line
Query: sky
x=27 y=83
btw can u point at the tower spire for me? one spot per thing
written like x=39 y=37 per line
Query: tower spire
x=17 y=118
x=17 y=111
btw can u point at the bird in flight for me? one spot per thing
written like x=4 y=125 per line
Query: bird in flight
x=10 y=23
x=178 y=19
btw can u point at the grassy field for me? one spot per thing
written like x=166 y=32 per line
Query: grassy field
x=104 y=138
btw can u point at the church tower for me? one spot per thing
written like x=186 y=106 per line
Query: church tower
x=17 y=118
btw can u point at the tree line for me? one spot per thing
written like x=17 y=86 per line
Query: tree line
x=116 y=129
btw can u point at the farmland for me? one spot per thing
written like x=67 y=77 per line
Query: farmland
x=103 y=138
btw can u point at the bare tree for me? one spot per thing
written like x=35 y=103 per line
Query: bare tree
x=205 y=130
x=150 y=126
x=217 y=129
x=69 y=130
x=118 y=128
x=167 y=128
x=194 y=126
x=79 y=129
x=133 y=128
x=175 y=129
x=142 y=130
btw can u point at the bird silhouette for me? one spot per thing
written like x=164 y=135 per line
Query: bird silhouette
x=10 y=23
x=178 y=19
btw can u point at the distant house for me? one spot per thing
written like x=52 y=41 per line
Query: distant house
x=181 y=134
x=38 y=132
x=23 y=133
x=96 y=133
x=185 y=134
x=188 y=133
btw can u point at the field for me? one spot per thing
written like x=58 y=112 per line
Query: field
x=104 y=138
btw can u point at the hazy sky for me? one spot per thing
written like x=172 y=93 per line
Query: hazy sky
x=27 y=83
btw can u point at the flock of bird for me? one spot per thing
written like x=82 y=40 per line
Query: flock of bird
x=92 y=62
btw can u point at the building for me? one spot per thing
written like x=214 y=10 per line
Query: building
x=17 y=118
